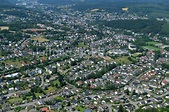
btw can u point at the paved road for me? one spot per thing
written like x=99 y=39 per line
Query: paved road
x=47 y=98
x=109 y=107
x=11 y=94
x=42 y=81
x=92 y=96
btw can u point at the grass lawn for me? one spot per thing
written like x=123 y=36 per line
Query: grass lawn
x=40 y=39
x=165 y=109
x=50 y=89
x=167 y=75
x=153 y=43
x=29 y=98
x=151 y=47
x=80 y=108
x=123 y=60
x=17 y=63
x=39 y=94
x=57 y=82
x=59 y=98
x=136 y=54
x=16 y=99
x=81 y=44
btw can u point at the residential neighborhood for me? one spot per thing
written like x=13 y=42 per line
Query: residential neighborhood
x=64 y=61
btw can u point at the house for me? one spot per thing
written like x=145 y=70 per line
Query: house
x=45 y=110
x=166 y=103
x=10 y=90
x=12 y=75
x=79 y=83
x=164 y=82
x=167 y=96
x=131 y=47
x=49 y=70
x=93 y=86
x=39 y=70
x=30 y=73
x=88 y=110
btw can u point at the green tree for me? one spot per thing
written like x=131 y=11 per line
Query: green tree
x=121 y=109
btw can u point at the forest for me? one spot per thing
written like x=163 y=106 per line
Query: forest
x=140 y=26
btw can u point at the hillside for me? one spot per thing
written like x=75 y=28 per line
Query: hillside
x=57 y=2
x=90 y=1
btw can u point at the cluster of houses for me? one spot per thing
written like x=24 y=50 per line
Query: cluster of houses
x=77 y=56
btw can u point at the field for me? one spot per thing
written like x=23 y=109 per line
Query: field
x=81 y=44
x=57 y=83
x=59 y=98
x=80 y=108
x=123 y=60
x=16 y=63
x=137 y=54
x=38 y=95
x=17 y=99
x=4 y=28
x=50 y=89
x=153 y=43
x=151 y=48
x=40 y=39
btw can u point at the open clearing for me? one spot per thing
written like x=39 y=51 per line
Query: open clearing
x=4 y=28
x=16 y=63
x=153 y=43
x=40 y=39
x=123 y=60
x=151 y=47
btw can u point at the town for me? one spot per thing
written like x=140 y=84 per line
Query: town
x=59 y=59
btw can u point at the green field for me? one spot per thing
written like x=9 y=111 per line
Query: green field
x=50 y=89
x=153 y=43
x=17 y=63
x=137 y=54
x=81 y=44
x=123 y=60
x=57 y=83
x=38 y=95
x=40 y=39
x=17 y=99
x=151 y=48
x=80 y=108
x=59 y=98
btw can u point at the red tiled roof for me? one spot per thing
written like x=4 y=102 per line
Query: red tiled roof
x=44 y=109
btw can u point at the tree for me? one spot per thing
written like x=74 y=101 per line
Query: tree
x=127 y=91
x=121 y=109
x=36 y=89
x=157 y=54
x=165 y=65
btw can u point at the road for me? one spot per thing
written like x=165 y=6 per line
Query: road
x=47 y=98
x=52 y=96
x=109 y=107
x=22 y=92
x=42 y=81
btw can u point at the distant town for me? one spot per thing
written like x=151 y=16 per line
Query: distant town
x=59 y=59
